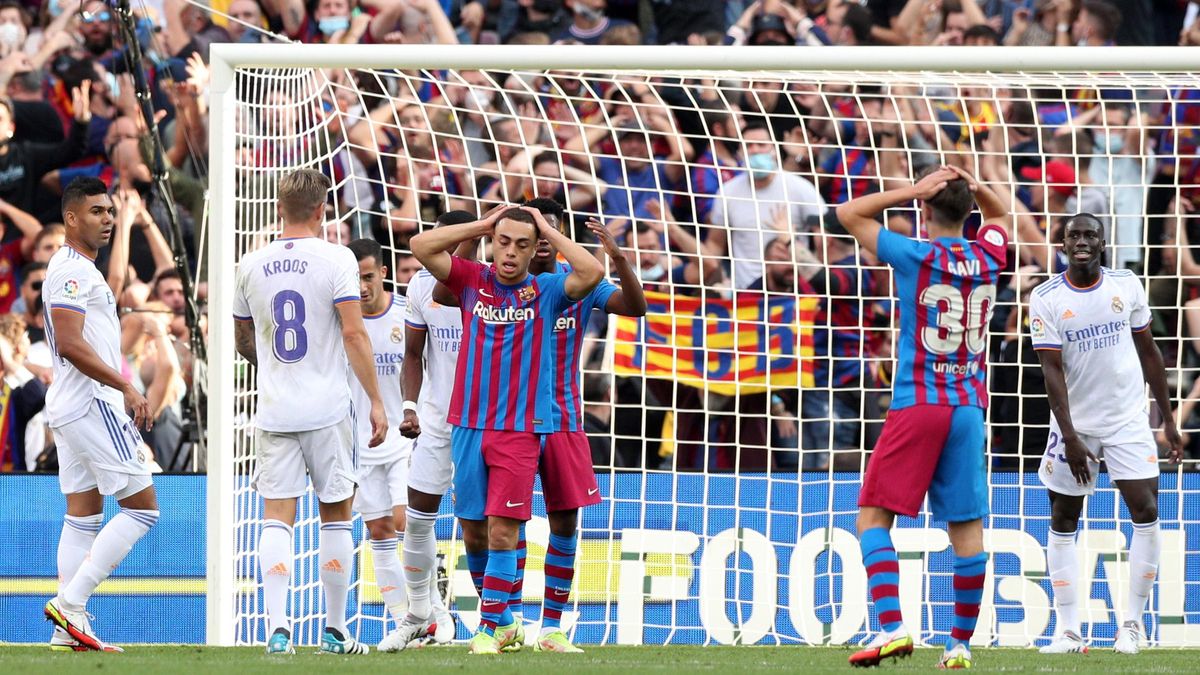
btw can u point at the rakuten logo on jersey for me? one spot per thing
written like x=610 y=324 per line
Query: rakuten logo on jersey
x=492 y=314
x=564 y=323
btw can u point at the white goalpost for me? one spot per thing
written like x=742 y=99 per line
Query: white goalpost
x=732 y=419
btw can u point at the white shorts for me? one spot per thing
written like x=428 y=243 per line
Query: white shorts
x=286 y=460
x=1129 y=453
x=102 y=450
x=431 y=470
x=381 y=487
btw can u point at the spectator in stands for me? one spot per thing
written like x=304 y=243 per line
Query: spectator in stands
x=981 y=35
x=850 y=24
x=190 y=28
x=32 y=276
x=670 y=259
x=1095 y=25
x=249 y=17
x=23 y=386
x=407 y=266
x=531 y=16
x=96 y=27
x=167 y=288
x=831 y=409
x=155 y=371
x=48 y=241
x=639 y=176
x=590 y=22
x=23 y=163
x=759 y=205
x=1033 y=28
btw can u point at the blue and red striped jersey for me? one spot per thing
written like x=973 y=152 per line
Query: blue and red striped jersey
x=500 y=382
x=569 y=329
x=947 y=290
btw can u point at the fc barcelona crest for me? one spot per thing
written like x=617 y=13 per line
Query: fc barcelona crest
x=1117 y=305
x=526 y=293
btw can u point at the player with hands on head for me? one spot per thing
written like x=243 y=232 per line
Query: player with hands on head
x=934 y=435
x=1090 y=326
x=499 y=429
x=293 y=299
x=100 y=451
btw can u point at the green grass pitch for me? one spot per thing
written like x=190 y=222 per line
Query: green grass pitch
x=196 y=660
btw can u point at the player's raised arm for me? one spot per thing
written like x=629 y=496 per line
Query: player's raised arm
x=432 y=247
x=630 y=300
x=1156 y=376
x=362 y=361
x=586 y=271
x=858 y=215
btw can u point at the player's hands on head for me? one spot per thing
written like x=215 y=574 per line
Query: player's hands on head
x=137 y=404
x=605 y=237
x=410 y=426
x=972 y=184
x=379 y=424
x=934 y=183
x=544 y=227
x=1078 y=457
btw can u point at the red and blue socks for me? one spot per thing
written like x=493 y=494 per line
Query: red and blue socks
x=883 y=576
x=497 y=589
x=560 y=572
x=517 y=600
x=477 y=565
x=969 y=575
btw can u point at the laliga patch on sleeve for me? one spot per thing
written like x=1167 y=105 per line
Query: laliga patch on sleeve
x=993 y=236
x=1037 y=328
x=71 y=290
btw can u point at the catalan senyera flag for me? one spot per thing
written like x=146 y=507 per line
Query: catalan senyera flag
x=749 y=344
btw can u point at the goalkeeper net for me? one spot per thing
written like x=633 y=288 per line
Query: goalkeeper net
x=728 y=425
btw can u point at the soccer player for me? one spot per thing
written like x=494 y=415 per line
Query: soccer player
x=383 y=470
x=568 y=480
x=432 y=333
x=934 y=433
x=1090 y=326
x=99 y=448
x=294 y=297
x=501 y=408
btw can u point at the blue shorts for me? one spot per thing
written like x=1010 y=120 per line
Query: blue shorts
x=931 y=449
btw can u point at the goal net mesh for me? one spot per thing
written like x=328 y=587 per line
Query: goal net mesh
x=729 y=424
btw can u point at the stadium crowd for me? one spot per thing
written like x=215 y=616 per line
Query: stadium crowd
x=712 y=187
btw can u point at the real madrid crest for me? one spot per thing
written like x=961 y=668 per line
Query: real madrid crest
x=397 y=336
x=526 y=293
x=1117 y=305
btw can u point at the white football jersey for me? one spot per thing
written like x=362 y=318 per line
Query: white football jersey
x=74 y=284
x=387 y=342
x=290 y=289
x=443 y=335
x=1093 y=327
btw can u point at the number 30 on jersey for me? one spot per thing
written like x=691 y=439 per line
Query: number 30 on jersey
x=957 y=321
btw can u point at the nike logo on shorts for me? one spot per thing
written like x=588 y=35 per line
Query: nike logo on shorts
x=593 y=491
x=512 y=505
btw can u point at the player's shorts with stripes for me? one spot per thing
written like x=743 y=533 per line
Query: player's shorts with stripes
x=1129 y=453
x=568 y=480
x=431 y=469
x=102 y=450
x=381 y=487
x=494 y=472
x=931 y=449
x=287 y=460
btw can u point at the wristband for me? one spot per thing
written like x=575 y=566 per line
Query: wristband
x=409 y=405
x=1064 y=27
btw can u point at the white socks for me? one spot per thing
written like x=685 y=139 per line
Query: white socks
x=275 y=567
x=389 y=576
x=336 y=563
x=78 y=533
x=420 y=561
x=1144 y=548
x=1064 y=578
x=108 y=550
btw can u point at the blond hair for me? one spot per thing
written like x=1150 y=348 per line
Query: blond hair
x=301 y=192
